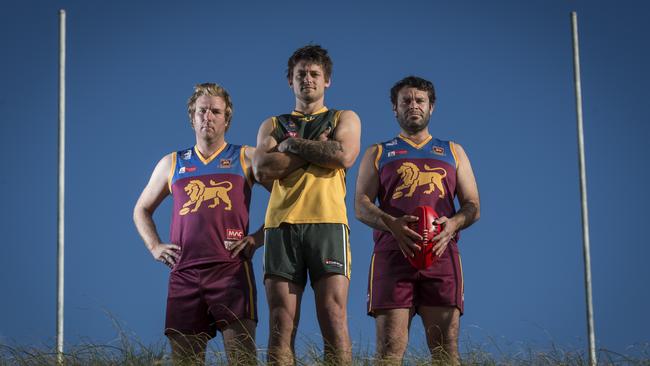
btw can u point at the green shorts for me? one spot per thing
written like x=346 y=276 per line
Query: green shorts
x=291 y=250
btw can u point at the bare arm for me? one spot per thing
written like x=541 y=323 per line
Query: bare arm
x=468 y=198
x=155 y=191
x=371 y=215
x=268 y=163
x=338 y=153
x=249 y=155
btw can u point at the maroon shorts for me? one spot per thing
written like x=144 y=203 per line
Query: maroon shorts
x=208 y=297
x=394 y=284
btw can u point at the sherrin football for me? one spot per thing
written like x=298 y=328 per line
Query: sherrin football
x=424 y=258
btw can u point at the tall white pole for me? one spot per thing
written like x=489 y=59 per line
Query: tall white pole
x=583 y=194
x=61 y=211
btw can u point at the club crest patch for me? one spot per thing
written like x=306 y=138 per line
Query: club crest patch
x=438 y=150
x=186 y=155
x=224 y=163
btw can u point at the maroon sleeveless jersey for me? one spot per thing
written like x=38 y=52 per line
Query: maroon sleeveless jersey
x=413 y=175
x=211 y=201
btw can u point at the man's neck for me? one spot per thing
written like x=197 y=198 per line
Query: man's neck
x=309 y=108
x=416 y=137
x=208 y=147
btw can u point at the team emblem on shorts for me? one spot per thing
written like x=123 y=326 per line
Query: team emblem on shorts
x=412 y=178
x=198 y=192
x=332 y=262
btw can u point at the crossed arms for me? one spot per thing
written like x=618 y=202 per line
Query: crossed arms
x=275 y=160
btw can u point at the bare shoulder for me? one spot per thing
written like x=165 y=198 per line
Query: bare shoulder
x=349 y=116
x=249 y=152
x=166 y=162
x=460 y=151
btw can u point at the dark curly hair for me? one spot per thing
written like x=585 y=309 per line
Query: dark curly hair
x=413 y=82
x=314 y=54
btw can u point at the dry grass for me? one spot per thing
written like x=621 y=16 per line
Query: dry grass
x=128 y=350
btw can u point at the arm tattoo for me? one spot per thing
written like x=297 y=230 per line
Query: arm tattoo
x=317 y=152
x=468 y=212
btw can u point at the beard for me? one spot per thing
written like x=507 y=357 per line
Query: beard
x=413 y=125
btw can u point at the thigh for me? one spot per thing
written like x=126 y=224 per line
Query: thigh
x=284 y=299
x=283 y=255
x=187 y=313
x=327 y=250
x=391 y=282
x=230 y=293
x=441 y=325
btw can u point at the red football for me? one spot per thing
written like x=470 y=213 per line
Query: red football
x=427 y=229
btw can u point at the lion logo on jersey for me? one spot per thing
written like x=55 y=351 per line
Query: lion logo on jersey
x=412 y=178
x=198 y=192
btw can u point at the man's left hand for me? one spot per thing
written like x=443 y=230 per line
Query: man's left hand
x=246 y=246
x=448 y=232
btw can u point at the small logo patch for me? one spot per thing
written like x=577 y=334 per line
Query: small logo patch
x=332 y=262
x=234 y=234
x=291 y=126
x=291 y=134
x=224 y=163
x=186 y=169
x=438 y=150
x=396 y=152
x=392 y=143
x=186 y=155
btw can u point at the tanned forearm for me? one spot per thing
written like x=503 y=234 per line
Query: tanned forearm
x=146 y=227
x=468 y=214
x=371 y=215
x=327 y=154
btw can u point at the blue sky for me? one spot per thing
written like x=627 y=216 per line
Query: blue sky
x=504 y=77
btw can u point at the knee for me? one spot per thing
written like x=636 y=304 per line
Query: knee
x=335 y=311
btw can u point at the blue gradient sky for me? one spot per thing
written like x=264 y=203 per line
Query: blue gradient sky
x=504 y=76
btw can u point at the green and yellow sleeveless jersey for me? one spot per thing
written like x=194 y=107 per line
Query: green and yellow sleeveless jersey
x=311 y=194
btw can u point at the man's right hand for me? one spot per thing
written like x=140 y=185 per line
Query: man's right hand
x=404 y=235
x=166 y=253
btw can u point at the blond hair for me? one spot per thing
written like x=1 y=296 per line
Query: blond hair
x=213 y=90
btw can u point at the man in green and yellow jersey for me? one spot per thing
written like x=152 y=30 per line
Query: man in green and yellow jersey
x=305 y=154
